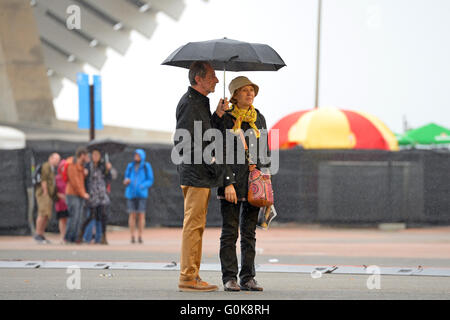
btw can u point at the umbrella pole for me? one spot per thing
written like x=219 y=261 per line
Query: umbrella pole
x=319 y=16
x=224 y=82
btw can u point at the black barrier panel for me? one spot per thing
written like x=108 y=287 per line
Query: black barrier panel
x=344 y=196
x=342 y=191
x=437 y=187
x=13 y=194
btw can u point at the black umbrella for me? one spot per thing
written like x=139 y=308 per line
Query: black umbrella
x=106 y=145
x=227 y=54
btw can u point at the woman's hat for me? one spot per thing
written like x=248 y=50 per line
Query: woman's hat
x=240 y=82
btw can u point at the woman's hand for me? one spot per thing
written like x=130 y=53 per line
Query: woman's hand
x=230 y=194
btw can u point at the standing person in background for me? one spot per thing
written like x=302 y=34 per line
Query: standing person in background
x=45 y=195
x=111 y=176
x=62 y=212
x=98 y=173
x=76 y=193
x=138 y=179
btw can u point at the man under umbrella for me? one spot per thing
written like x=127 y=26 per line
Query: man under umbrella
x=196 y=179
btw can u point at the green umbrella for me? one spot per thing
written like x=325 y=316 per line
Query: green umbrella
x=404 y=140
x=428 y=134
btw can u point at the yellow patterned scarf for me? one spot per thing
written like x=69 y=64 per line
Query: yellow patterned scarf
x=249 y=116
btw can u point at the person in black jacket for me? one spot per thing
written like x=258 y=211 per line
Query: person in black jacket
x=197 y=175
x=233 y=193
x=98 y=175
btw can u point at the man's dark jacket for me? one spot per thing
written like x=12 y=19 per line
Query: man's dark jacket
x=194 y=106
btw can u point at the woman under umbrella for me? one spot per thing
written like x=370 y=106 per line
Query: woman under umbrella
x=233 y=195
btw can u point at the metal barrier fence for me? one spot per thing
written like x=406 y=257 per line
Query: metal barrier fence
x=311 y=186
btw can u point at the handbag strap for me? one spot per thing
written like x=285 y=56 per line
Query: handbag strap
x=243 y=140
x=247 y=153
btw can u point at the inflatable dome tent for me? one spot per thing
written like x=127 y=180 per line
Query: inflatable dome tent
x=333 y=128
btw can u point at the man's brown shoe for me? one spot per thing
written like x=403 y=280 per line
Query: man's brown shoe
x=231 y=285
x=251 y=285
x=196 y=285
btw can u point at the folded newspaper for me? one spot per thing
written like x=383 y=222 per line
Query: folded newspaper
x=265 y=216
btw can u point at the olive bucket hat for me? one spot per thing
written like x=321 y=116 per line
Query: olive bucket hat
x=240 y=82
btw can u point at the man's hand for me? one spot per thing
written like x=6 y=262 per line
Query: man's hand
x=86 y=196
x=230 y=194
x=222 y=107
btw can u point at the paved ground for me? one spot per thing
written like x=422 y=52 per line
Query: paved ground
x=427 y=247
x=161 y=285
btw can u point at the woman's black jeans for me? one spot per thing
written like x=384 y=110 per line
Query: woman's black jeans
x=232 y=219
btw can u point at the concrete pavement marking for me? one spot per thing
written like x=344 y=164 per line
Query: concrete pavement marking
x=280 y=268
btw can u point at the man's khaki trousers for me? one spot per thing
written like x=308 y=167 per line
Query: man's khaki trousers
x=195 y=209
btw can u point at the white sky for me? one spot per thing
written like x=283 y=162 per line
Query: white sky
x=389 y=58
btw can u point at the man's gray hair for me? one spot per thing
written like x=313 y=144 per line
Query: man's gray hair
x=197 y=68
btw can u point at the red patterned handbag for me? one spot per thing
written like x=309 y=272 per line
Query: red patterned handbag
x=260 y=192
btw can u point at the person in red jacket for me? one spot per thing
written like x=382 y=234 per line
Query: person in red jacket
x=62 y=212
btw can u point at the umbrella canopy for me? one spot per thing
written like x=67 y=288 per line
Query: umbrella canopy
x=427 y=134
x=227 y=54
x=333 y=128
x=106 y=145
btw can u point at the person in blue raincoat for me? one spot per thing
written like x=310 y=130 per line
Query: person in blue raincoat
x=138 y=179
